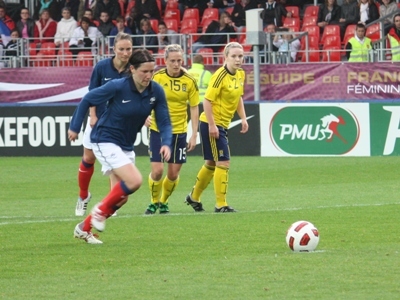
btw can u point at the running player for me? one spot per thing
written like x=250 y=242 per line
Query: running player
x=223 y=97
x=180 y=89
x=104 y=71
x=130 y=102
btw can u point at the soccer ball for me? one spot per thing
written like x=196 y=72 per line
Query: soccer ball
x=302 y=236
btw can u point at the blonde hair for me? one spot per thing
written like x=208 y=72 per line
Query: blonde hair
x=172 y=48
x=230 y=46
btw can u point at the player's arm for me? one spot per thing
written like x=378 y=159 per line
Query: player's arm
x=212 y=128
x=92 y=98
x=242 y=114
x=95 y=81
x=194 y=117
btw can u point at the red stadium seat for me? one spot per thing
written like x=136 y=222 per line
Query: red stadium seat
x=189 y=25
x=309 y=21
x=84 y=59
x=129 y=7
x=311 y=10
x=331 y=53
x=293 y=23
x=209 y=14
x=374 y=32
x=332 y=41
x=191 y=13
x=173 y=14
x=205 y=25
x=349 y=33
x=208 y=55
x=172 y=24
x=312 y=30
x=154 y=25
x=160 y=57
x=46 y=55
x=313 y=55
x=171 y=5
x=294 y=10
x=330 y=30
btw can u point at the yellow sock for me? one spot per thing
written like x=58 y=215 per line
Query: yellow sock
x=168 y=186
x=204 y=177
x=155 y=189
x=221 y=185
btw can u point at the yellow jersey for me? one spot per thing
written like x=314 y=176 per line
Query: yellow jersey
x=179 y=92
x=224 y=92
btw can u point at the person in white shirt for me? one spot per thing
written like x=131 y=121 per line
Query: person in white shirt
x=84 y=38
x=65 y=27
x=281 y=41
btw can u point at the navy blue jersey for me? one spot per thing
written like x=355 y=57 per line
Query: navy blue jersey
x=103 y=72
x=126 y=112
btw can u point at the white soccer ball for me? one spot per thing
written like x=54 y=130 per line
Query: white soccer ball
x=302 y=236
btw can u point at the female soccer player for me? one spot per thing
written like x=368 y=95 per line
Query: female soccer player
x=223 y=97
x=180 y=89
x=104 y=71
x=130 y=101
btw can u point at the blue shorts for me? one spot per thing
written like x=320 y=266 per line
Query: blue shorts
x=214 y=149
x=178 y=148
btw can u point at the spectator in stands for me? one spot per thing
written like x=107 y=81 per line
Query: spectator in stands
x=358 y=47
x=52 y=6
x=65 y=28
x=216 y=34
x=166 y=36
x=273 y=13
x=84 y=38
x=239 y=13
x=120 y=27
x=13 y=46
x=388 y=7
x=26 y=27
x=368 y=11
x=6 y=19
x=110 y=6
x=105 y=24
x=73 y=6
x=329 y=14
x=222 y=5
x=88 y=13
x=47 y=28
x=201 y=5
x=148 y=38
x=394 y=38
x=286 y=48
x=132 y=21
x=147 y=9
x=350 y=14
x=201 y=75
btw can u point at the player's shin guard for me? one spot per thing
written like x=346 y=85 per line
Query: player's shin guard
x=84 y=176
x=203 y=179
x=221 y=185
x=155 y=189
x=168 y=186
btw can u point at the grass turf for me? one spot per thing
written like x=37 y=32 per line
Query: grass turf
x=187 y=255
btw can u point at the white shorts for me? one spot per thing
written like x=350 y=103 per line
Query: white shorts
x=86 y=135
x=111 y=156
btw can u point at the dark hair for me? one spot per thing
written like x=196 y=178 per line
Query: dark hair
x=396 y=15
x=162 y=23
x=140 y=56
x=361 y=25
x=86 y=20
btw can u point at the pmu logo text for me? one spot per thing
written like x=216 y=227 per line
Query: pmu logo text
x=314 y=130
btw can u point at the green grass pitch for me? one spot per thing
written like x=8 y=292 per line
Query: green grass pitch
x=354 y=202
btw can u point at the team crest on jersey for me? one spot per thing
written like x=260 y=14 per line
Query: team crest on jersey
x=184 y=87
x=152 y=100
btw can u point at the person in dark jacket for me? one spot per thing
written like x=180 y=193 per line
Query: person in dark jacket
x=329 y=14
x=147 y=9
x=110 y=6
x=368 y=11
x=26 y=26
x=273 y=13
x=350 y=14
x=239 y=13
x=216 y=34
